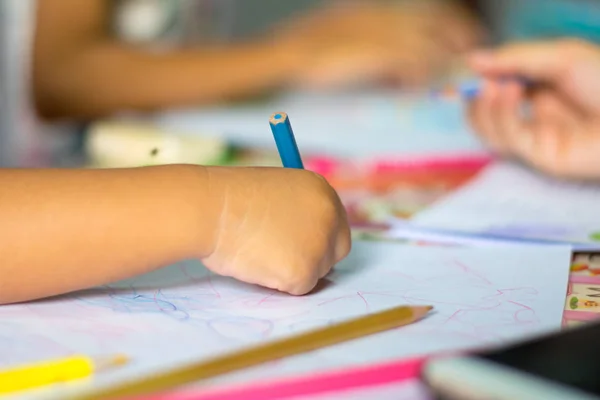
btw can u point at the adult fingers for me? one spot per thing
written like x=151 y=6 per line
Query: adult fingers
x=553 y=139
x=560 y=153
x=508 y=119
x=549 y=106
x=535 y=60
x=483 y=117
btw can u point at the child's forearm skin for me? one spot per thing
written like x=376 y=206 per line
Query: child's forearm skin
x=80 y=71
x=65 y=230
x=108 y=77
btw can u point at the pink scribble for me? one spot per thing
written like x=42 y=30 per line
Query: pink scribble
x=334 y=299
x=364 y=300
x=207 y=279
x=470 y=271
x=212 y=286
x=265 y=298
x=453 y=316
x=524 y=308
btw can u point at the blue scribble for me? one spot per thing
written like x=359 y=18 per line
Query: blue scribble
x=120 y=300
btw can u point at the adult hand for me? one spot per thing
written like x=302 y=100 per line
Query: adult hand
x=561 y=134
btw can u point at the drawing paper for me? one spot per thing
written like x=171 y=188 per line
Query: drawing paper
x=183 y=313
x=404 y=231
x=509 y=200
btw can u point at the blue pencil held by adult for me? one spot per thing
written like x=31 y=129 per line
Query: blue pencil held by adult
x=470 y=89
x=285 y=141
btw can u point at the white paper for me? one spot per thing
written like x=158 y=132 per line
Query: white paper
x=482 y=296
x=402 y=230
x=509 y=200
x=397 y=124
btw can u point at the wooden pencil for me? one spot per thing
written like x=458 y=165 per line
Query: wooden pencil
x=298 y=344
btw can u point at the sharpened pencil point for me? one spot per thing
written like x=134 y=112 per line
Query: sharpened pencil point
x=109 y=362
x=278 y=118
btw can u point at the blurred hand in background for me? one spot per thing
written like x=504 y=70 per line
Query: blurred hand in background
x=82 y=71
x=561 y=133
x=409 y=43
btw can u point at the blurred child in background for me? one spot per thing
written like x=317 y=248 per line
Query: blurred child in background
x=64 y=62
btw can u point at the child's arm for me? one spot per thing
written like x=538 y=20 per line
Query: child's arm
x=79 y=70
x=64 y=230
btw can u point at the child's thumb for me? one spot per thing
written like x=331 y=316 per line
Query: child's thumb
x=538 y=61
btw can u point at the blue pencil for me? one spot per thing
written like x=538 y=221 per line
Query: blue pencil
x=469 y=90
x=285 y=141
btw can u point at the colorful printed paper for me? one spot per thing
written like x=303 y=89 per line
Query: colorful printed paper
x=509 y=200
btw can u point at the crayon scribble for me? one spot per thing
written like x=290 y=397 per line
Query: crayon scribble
x=233 y=313
x=184 y=311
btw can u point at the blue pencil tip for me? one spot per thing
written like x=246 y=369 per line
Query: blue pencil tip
x=277 y=116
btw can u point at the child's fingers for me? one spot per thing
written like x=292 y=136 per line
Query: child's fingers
x=328 y=261
x=339 y=244
x=344 y=240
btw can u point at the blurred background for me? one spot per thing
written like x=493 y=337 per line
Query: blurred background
x=120 y=83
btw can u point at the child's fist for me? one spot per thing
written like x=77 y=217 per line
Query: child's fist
x=279 y=228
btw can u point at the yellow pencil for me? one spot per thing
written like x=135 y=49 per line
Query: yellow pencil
x=56 y=371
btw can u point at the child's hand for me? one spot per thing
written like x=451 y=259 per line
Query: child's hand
x=279 y=228
x=360 y=42
x=562 y=134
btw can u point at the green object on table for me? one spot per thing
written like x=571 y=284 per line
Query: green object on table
x=595 y=236
x=573 y=303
